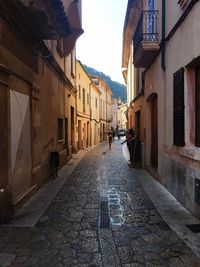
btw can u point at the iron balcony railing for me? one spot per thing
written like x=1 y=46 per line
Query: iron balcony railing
x=146 y=30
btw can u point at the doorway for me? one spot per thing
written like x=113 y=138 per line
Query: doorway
x=88 y=134
x=21 y=150
x=66 y=136
x=72 y=127
x=138 y=123
x=154 y=131
x=79 y=135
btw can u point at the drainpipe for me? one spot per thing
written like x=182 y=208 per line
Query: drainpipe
x=163 y=35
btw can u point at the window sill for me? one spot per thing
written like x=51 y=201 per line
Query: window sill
x=191 y=152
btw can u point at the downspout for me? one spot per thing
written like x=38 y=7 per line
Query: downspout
x=163 y=35
x=163 y=65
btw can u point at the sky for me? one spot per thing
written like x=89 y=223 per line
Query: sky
x=100 y=46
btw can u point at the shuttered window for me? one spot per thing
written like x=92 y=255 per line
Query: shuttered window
x=179 y=125
x=197 y=108
x=59 y=129
x=83 y=100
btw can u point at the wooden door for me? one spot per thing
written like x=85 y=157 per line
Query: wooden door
x=21 y=150
x=88 y=134
x=72 y=126
x=79 y=135
x=154 y=132
x=66 y=136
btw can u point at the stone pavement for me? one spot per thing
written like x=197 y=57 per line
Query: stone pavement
x=75 y=229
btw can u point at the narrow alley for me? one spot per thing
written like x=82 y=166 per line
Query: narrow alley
x=101 y=217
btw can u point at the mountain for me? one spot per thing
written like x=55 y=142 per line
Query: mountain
x=118 y=89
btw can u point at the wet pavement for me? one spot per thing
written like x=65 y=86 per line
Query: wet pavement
x=100 y=217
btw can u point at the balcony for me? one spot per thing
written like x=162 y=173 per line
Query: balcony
x=49 y=20
x=145 y=39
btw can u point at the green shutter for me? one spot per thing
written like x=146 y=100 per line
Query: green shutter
x=179 y=118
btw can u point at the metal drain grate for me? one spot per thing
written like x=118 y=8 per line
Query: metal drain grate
x=104 y=215
x=195 y=228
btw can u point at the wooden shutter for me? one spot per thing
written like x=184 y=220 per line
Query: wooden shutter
x=179 y=118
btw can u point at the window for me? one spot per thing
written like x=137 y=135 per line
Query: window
x=151 y=4
x=83 y=100
x=179 y=124
x=96 y=102
x=72 y=117
x=197 y=107
x=59 y=129
x=88 y=99
x=79 y=91
x=150 y=19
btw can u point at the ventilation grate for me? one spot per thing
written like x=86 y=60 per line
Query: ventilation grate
x=195 y=228
x=104 y=215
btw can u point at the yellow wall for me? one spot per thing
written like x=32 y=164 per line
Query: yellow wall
x=95 y=119
x=83 y=82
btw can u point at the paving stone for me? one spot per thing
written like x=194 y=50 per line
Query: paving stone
x=109 y=252
x=126 y=254
x=133 y=265
x=6 y=259
x=176 y=262
x=88 y=233
x=68 y=234
x=90 y=245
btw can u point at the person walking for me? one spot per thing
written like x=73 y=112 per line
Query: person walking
x=130 y=139
x=137 y=151
x=113 y=134
x=110 y=137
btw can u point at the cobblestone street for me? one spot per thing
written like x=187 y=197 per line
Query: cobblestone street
x=74 y=232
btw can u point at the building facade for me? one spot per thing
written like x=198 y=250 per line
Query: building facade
x=83 y=106
x=114 y=113
x=95 y=114
x=166 y=68
x=37 y=94
x=104 y=106
x=122 y=119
